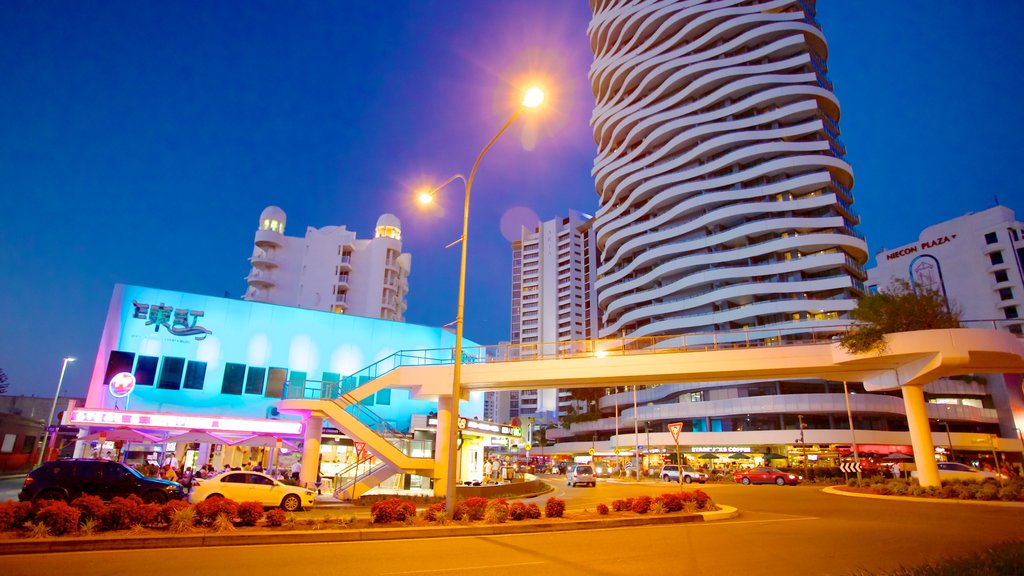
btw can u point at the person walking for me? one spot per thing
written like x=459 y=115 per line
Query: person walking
x=296 y=469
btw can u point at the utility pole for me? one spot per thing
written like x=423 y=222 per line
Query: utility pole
x=853 y=434
x=803 y=446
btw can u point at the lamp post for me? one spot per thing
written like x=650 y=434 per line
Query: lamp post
x=531 y=99
x=53 y=408
x=949 y=439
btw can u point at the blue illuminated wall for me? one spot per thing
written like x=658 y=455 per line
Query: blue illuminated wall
x=157 y=335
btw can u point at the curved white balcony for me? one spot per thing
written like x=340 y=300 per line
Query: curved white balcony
x=260 y=279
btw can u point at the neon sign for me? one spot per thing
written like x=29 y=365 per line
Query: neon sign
x=122 y=384
x=176 y=321
x=90 y=417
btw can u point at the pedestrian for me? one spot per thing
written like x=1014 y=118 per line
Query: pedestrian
x=488 y=469
x=296 y=469
x=186 y=479
x=896 y=472
x=171 y=460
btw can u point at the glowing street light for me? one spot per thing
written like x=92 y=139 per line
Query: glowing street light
x=53 y=407
x=532 y=98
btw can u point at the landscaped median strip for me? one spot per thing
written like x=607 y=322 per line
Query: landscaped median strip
x=922 y=499
x=124 y=542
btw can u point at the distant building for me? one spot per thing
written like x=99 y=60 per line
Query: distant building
x=35 y=407
x=552 y=301
x=329 y=269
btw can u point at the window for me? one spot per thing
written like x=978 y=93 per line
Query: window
x=1010 y=312
x=384 y=397
x=117 y=363
x=254 y=380
x=234 y=478
x=260 y=480
x=145 y=370
x=1006 y=294
x=8 y=443
x=990 y=238
x=170 y=373
x=28 y=443
x=275 y=382
x=996 y=257
x=1001 y=276
x=195 y=375
x=234 y=374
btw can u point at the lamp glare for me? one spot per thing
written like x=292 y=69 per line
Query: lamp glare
x=533 y=97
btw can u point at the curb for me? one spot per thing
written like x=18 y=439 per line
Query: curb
x=323 y=536
x=924 y=500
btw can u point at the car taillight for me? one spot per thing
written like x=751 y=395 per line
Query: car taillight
x=28 y=481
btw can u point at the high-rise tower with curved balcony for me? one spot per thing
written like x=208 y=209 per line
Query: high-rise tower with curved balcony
x=725 y=197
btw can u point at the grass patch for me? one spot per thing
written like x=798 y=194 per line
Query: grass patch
x=1000 y=560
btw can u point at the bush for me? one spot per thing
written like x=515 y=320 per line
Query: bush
x=275 y=517
x=169 y=510
x=249 y=513
x=619 y=505
x=672 y=501
x=496 y=511
x=554 y=508
x=59 y=517
x=969 y=490
x=517 y=511
x=183 y=519
x=208 y=510
x=1010 y=493
x=434 y=511
x=988 y=491
x=8 y=515
x=532 y=511
x=702 y=500
x=392 y=510
x=475 y=508
x=642 y=504
x=122 y=513
x=602 y=509
x=89 y=507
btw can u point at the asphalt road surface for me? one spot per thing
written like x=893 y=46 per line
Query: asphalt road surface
x=782 y=530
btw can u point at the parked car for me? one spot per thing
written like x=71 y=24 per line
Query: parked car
x=581 y=474
x=69 y=479
x=242 y=486
x=958 y=471
x=670 y=473
x=766 y=475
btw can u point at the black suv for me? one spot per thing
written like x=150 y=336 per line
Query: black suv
x=69 y=479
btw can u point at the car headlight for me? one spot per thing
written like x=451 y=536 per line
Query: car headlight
x=791 y=477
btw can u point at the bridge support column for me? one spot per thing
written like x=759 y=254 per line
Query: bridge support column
x=920 y=436
x=441 y=448
x=311 y=452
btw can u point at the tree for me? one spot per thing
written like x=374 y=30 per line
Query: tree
x=3 y=381
x=897 y=308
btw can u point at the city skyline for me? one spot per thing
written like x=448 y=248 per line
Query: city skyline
x=141 y=147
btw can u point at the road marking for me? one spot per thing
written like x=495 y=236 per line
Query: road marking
x=446 y=570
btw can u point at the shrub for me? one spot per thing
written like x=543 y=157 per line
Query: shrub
x=517 y=511
x=602 y=509
x=554 y=508
x=496 y=511
x=249 y=513
x=532 y=511
x=969 y=490
x=988 y=491
x=149 y=515
x=896 y=488
x=672 y=501
x=658 y=507
x=1010 y=493
x=475 y=508
x=89 y=507
x=223 y=523
x=183 y=519
x=208 y=510
x=275 y=517
x=7 y=515
x=642 y=504
x=59 y=517
x=89 y=527
x=433 y=511
x=169 y=510
x=702 y=500
x=38 y=530
x=618 y=505
x=391 y=510
x=122 y=513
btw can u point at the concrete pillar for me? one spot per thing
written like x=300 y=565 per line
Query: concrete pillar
x=444 y=410
x=311 y=452
x=226 y=454
x=204 y=454
x=921 y=436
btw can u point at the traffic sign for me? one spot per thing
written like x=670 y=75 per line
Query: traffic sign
x=640 y=448
x=675 y=428
x=591 y=451
x=528 y=447
x=616 y=451
x=850 y=467
x=51 y=429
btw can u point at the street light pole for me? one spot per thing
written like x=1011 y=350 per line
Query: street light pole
x=534 y=97
x=853 y=433
x=949 y=438
x=53 y=407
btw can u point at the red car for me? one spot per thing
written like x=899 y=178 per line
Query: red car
x=766 y=475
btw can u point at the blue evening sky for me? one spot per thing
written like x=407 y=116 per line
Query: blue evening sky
x=139 y=141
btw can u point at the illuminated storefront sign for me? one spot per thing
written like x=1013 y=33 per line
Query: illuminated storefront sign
x=87 y=417
x=716 y=449
x=470 y=424
x=176 y=321
x=922 y=246
x=122 y=384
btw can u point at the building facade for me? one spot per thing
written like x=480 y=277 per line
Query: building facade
x=552 y=302
x=725 y=199
x=330 y=269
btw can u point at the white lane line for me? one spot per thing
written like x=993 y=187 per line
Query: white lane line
x=446 y=570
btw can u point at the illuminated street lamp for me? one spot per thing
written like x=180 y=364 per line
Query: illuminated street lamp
x=53 y=408
x=532 y=98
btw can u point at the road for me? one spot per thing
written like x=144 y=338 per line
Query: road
x=792 y=530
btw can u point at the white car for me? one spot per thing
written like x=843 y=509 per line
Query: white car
x=958 y=471
x=670 y=473
x=244 y=486
x=581 y=474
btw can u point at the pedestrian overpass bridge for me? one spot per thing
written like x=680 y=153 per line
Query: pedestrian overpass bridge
x=909 y=360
